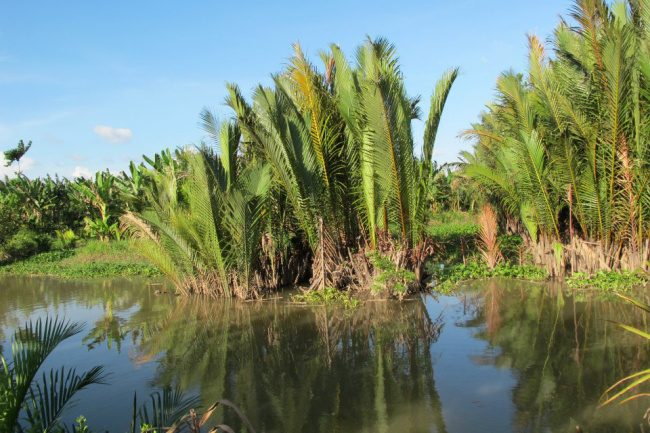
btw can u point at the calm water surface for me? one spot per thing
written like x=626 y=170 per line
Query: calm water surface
x=502 y=356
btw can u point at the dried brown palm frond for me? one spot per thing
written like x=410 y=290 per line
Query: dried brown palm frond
x=489 y=244
x=193 y=422
x=328 y=259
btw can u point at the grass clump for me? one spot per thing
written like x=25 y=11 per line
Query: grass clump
x=327 y=296
x=609 y=281
x=446 y=279
x=93 y=259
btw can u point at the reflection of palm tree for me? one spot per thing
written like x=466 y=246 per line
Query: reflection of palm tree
x=492 y=304
x=114 y=329
x=538 y=333
x=294 y=368
x=24 y=296
x=380 y=397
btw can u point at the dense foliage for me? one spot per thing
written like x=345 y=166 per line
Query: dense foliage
x=318 y=176
x=39 y=214
x=314 y=173
x=564 y=149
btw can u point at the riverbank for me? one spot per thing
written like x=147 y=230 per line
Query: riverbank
x=456 y=253
x=93 y=259
x=457 y=259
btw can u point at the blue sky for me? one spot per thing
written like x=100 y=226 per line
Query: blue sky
x=97 y=84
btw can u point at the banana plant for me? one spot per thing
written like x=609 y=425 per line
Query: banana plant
x=131 y=185
x=102 y=195
x=102 y=230
x=40 y=199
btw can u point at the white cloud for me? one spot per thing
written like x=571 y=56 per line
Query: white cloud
x=113 y=135
x=81 y=172
x=25 y=164
x=77 y=157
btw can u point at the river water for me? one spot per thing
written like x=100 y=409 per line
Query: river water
x=502 y=356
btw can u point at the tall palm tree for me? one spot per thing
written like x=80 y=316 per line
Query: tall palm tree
x=202 y=226
x=565 y=149
x=341 y=147
x=322 y=159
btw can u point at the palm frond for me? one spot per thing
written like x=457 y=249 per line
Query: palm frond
x=55 y=392
x=166 y=407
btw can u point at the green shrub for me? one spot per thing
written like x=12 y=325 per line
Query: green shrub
x=395 y=281
x=327 y=296
x=456 y=241
x=26 y=243
x=65 y=240
x=512 y=248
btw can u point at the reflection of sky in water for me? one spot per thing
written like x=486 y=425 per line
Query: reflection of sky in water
x=275 y=354
x=105 y=406
x=476 y=397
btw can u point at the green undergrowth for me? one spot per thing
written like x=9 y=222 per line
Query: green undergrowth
x=446 y=279
x=394 y=281
x=453 y=217
x=607 y=281
x=452 y=232
x=454 y=241
x=328 y=296
x=94 y=259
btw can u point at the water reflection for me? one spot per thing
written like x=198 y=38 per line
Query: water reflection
x=296 y=368
x=563 y=352
x=502 y=356
x=127 y=305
